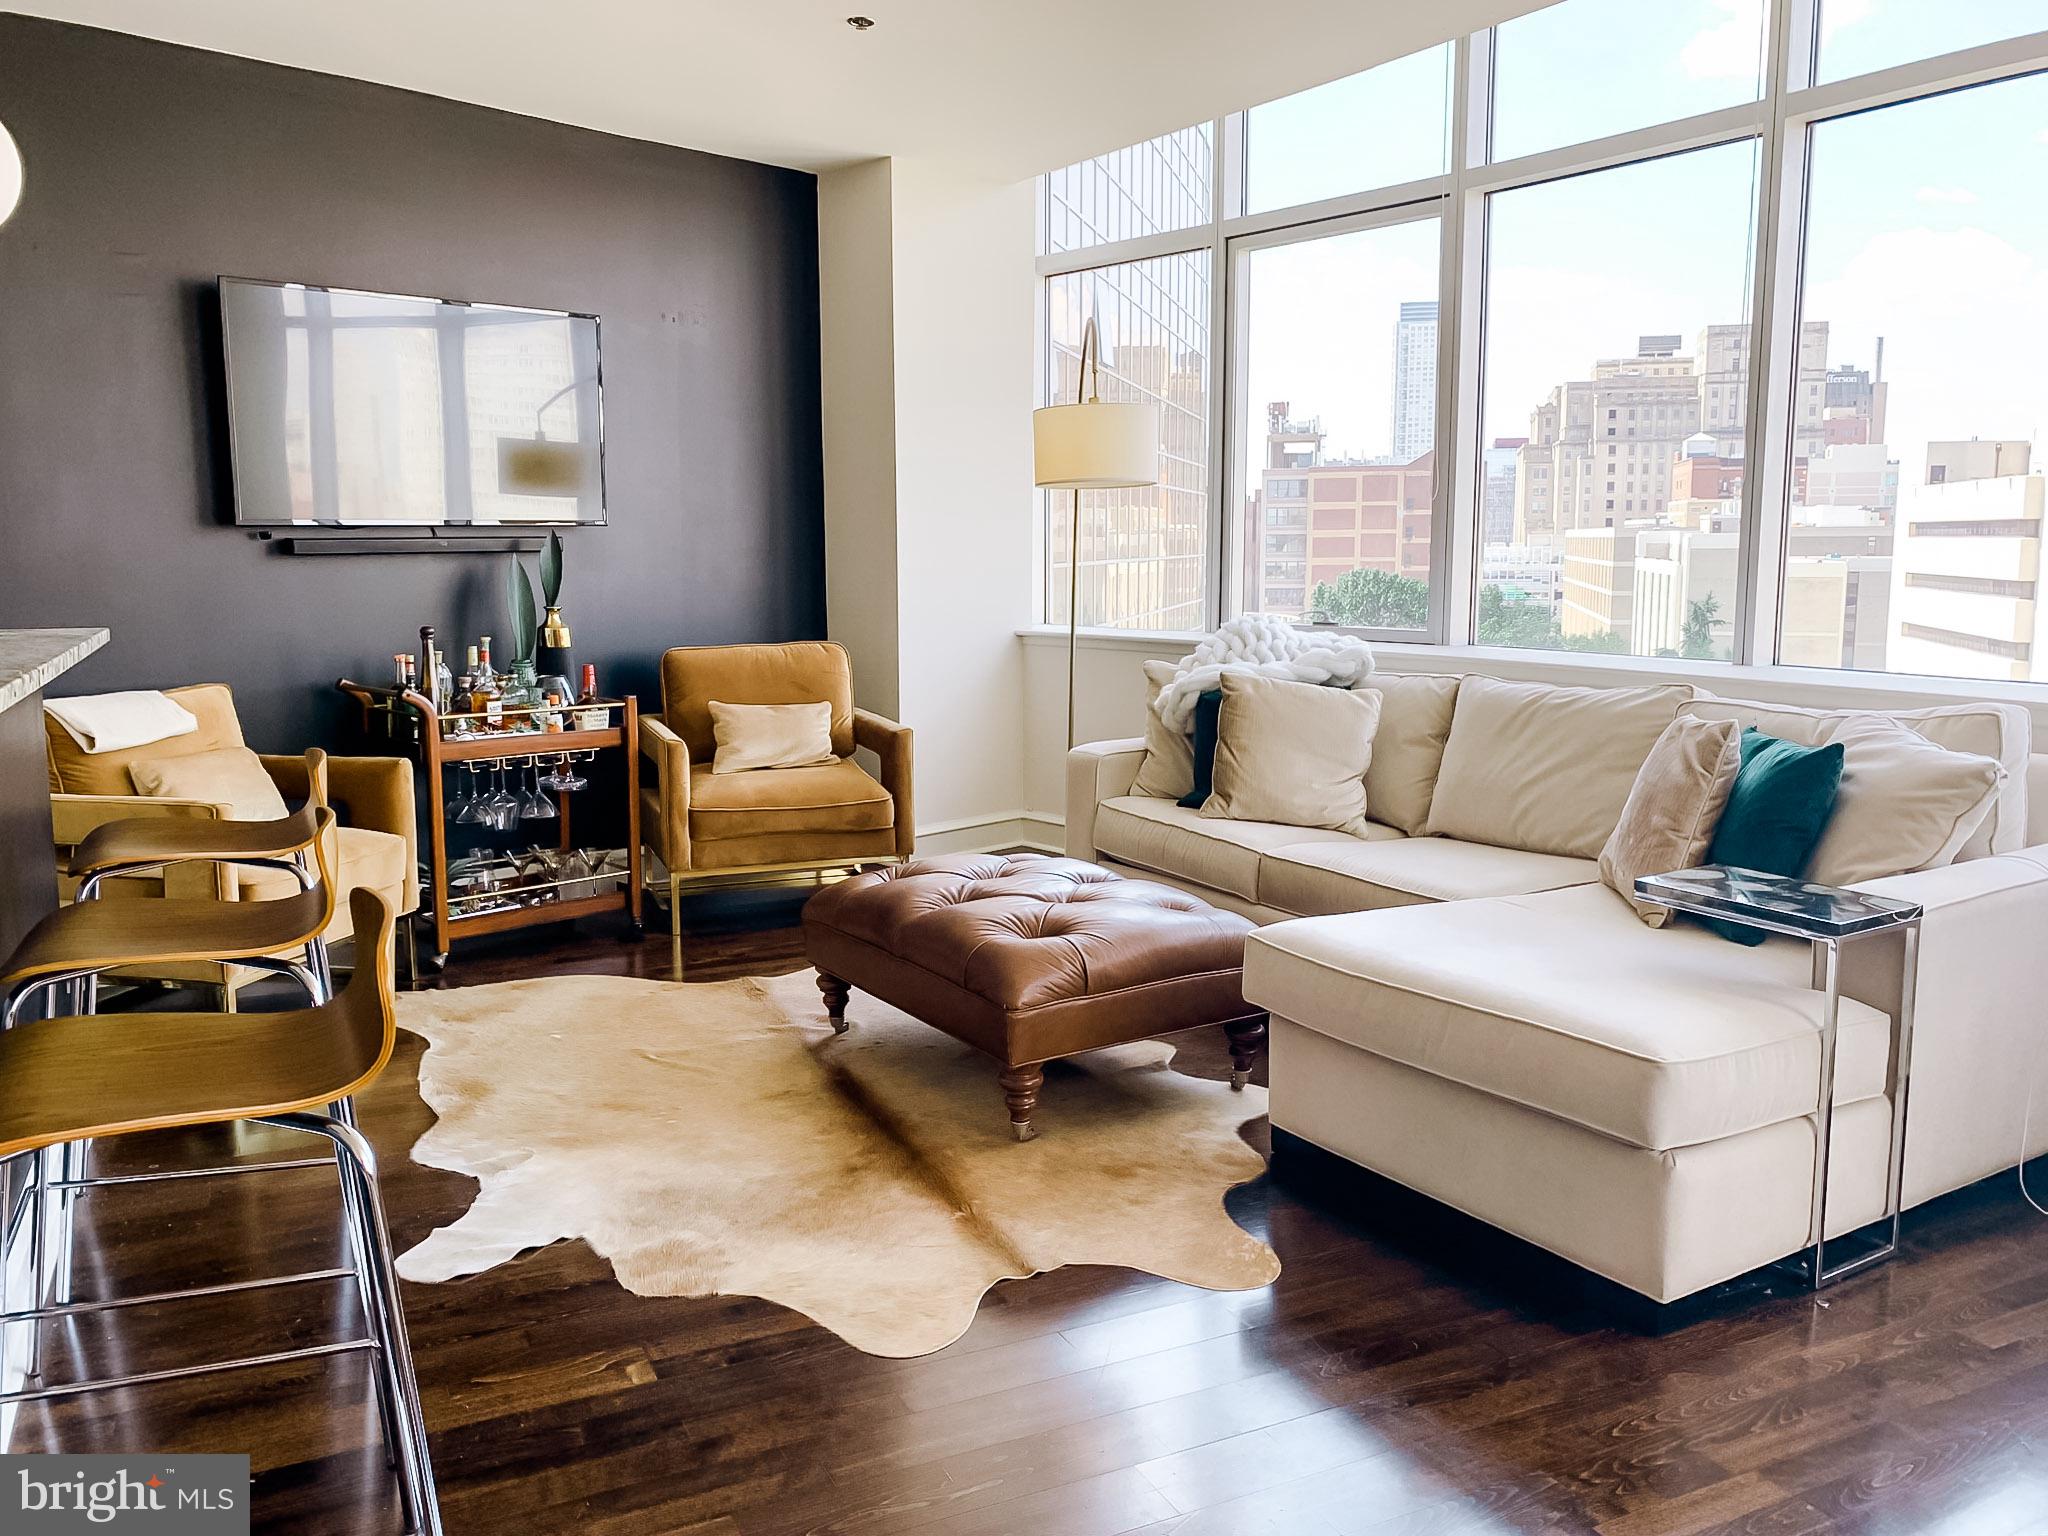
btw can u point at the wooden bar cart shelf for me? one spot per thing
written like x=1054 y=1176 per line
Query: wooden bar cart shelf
x=405 y=720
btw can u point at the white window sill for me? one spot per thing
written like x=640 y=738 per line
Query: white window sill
x=1814 y=687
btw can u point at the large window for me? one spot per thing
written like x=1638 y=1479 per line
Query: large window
x=1702 y=330
x=1144 y=551
x=1584 y=69
x=1615 y=380
x=1378 y=129
x=1152 y=188
x=1338 y=425
x=1861 y=35
x=1913 y=541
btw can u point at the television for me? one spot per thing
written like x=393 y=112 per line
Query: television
x=374 y=410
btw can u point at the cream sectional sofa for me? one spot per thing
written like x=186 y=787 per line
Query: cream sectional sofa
x=1460 y=1005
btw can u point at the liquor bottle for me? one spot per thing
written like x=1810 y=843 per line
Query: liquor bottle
x=486 y=693
x=426 y=673
x=401 y=669
x=444 y=682
x=588 y=695
x=462 y=683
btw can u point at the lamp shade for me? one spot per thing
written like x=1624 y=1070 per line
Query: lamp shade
x=1096 y=446
x=10 y=174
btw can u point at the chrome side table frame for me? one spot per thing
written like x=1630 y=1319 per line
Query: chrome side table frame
x=1828 y=918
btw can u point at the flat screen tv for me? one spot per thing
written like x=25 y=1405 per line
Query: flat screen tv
x=373 y=410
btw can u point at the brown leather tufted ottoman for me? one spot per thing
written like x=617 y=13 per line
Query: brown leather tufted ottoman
x=1029 y=957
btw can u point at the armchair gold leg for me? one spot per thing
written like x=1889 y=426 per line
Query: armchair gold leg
x=675 y=927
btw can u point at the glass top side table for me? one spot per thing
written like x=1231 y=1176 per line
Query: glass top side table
x=1829 y=917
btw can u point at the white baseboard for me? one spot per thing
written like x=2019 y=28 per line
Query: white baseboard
x=986 y=834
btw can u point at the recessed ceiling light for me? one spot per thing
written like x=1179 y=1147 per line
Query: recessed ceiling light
x=860 y=23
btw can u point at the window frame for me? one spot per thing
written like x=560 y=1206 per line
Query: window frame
x=1792 y=103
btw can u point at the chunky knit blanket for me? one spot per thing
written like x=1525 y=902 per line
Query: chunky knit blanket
x=1268 y=646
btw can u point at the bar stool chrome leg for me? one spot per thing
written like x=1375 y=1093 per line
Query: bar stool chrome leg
x=394 y=1351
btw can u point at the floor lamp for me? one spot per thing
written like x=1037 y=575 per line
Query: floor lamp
x=1091 y=446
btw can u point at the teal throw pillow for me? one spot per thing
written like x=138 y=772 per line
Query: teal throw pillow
x=1207 y=706
x=1780 y=804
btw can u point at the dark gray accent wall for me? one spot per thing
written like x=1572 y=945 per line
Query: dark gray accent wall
x=152 y=169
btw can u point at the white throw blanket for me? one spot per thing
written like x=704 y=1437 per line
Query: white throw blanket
x=114 y=722
x=1269 y=647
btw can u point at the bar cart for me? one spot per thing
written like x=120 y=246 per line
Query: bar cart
x=491 y=891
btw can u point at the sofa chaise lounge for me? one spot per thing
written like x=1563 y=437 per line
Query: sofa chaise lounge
x=1460 y=1005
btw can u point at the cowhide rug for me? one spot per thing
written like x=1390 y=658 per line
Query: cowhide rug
x=720 y=1140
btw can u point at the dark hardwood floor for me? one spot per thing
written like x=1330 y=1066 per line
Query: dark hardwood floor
x=1410 y=1372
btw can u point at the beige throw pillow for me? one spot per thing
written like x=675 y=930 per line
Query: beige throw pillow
x=1408 y=748
x=1905 y=804
x=1542 y=768
x=1168 y=772
x=751 y=736
x=1673 y=809
x=229 y=776
x=1292 y=753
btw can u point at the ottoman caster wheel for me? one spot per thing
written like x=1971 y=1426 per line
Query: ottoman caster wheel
x=840 y=1026
x=1238 y=1080
x=1024 y=1132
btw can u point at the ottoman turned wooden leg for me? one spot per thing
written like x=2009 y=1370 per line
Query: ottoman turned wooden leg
x=836 y=993
x=1246 y=1035
x=1020 y=1090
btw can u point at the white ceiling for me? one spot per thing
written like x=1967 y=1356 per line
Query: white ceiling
x=1008 y=90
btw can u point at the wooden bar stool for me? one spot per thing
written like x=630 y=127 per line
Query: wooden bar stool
x=70 y=948
x=69 y=1079
x=170 y=930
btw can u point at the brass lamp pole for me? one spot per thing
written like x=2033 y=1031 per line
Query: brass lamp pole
x=1091 y=446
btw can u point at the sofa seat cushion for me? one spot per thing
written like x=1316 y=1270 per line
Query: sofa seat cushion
x=1565 y=1002
x=837 y=796
x=1314 y=879
x=1171 y=839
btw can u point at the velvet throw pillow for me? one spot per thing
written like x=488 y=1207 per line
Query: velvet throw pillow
x=752 y=736
x=1672 y=812
x=1291 y=753
x=1777 y=810
x=233 y=777
x=1202 y=749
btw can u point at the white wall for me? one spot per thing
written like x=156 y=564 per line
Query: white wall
x=857 y=325
x=927 y=288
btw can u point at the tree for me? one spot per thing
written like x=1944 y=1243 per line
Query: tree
x=1696 y=643
x=1505 y=620
x=1373 y=600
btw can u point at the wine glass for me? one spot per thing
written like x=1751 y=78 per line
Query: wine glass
x=533 y=805
x=469 y=805
x=571 y=779
x=503 y=805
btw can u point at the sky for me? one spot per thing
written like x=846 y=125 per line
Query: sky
x=1929 y=221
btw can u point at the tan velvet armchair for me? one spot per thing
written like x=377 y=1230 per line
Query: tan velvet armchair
x=764 y=825
x=374 y=848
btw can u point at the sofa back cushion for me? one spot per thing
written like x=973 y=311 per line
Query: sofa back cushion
x=74 y=771
x=2000 y=731
x=1408 y=750
x=1543 y=768
x=1168 y=772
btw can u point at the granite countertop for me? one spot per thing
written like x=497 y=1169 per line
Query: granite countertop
x=31 y=658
